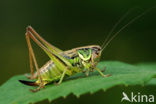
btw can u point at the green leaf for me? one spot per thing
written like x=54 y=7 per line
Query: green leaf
x=13 y=92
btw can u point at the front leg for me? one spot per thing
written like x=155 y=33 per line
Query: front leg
x=86 y=71
x=103 y=69
x=102 y=73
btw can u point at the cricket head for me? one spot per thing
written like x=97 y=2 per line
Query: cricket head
x=90 y=55
x=96 y=54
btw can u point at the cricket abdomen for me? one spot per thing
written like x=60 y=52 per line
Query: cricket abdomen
x=49 y=72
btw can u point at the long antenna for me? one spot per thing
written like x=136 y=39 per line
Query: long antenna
x=131 y=21
x=116 y=24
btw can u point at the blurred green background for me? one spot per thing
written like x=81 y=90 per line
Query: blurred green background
x=71 y=23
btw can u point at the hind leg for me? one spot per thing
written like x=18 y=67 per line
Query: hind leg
x=30 y=59
x=37 y=89
x=33 y=59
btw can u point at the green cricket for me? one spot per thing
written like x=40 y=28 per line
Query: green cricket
x=65 y=63
x=62 y=63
